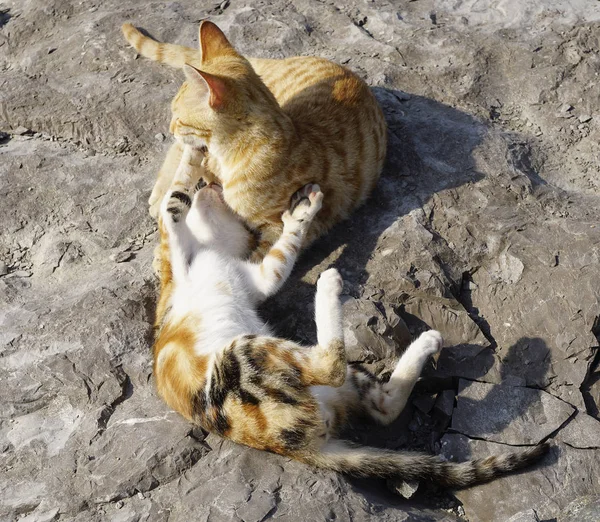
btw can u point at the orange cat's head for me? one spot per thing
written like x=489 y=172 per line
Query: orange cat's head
x=222 y=94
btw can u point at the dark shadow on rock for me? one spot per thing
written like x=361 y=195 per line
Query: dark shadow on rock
x=5 y=16
x=489 y=411
x=430 y=148
x=590 y=389
x=467 y=301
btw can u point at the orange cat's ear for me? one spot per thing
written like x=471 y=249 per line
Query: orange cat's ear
x=213 y=86
x=213 y=42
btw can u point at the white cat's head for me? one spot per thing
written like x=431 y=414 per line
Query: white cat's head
x=216 y=225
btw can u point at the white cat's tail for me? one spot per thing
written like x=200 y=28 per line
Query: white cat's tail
x=364 y=461
x=170 y=54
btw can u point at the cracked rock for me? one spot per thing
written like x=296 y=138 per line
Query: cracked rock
x=585 y=509
x=476 y=228
x=507 y=414
x=370 y=334
x=525 y=516
x=581 y=432
x=535 y=488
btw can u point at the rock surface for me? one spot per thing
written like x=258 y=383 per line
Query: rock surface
x=525 y=516
x=509 y=414
x=585 y=509
x=566 y=474
x=485 y=225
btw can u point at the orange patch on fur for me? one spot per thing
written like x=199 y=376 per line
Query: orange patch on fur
x=178 y=371
x=277 y=254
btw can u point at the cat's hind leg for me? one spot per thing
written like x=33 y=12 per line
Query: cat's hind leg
x=384 y=402
x=329 y=356
x=363 y=393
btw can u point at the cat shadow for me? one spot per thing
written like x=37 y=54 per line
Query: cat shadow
x=5 y=16
x=430 y=149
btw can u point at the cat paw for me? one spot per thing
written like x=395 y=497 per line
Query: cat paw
x=330 y=283
x=175 y=207
x=305 y=204
x=200 y=185
x=430 y=342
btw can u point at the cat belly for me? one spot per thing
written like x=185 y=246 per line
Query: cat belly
x=217 y=296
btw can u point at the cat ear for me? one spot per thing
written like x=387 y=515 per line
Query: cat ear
x=213 y=86
x=213 y=42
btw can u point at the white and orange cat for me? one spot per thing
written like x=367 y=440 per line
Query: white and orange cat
x=270 y=127
x=217 y=363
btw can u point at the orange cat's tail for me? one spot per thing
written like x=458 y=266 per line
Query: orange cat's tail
x=361 y=461
x=171 y=54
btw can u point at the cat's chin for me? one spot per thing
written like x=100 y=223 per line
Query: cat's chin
x=216 y=190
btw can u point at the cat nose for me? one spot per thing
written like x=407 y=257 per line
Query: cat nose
x=173 y=125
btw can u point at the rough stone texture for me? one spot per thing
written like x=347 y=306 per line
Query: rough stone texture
x=381 y=336
x=585 y=509
x=508 y=414
x=485 y=225
x=525 y=516
x=566 y=474
x=582 y=432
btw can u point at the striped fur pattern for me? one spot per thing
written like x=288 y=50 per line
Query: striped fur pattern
x=217 y=363
x=271 y=127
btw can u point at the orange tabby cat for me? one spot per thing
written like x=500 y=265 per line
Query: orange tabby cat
x=269 y=128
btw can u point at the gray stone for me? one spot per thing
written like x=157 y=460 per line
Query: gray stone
x=442 y=409
x=582 y=432
x=21 y=273
x=21 y=131
x=406 y=489
x=507 y=414
x=534 y=488
x=476 y=228
x=584 y=118
x=424 y=402
x=370 y=334
x=525 y=516
x=565 y=107
x=121 y=257
x=585 y=509
x=449 y=317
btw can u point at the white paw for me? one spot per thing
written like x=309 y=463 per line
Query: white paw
x=430 y=342
x=304 y=205
x=330 y=283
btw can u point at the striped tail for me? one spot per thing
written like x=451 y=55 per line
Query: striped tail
x=361 y=461
x=171 y=54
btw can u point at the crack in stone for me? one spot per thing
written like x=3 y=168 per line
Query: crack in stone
x=108 y=410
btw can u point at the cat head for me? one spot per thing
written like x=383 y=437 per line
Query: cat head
x=215 y=225
x=222 y=94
